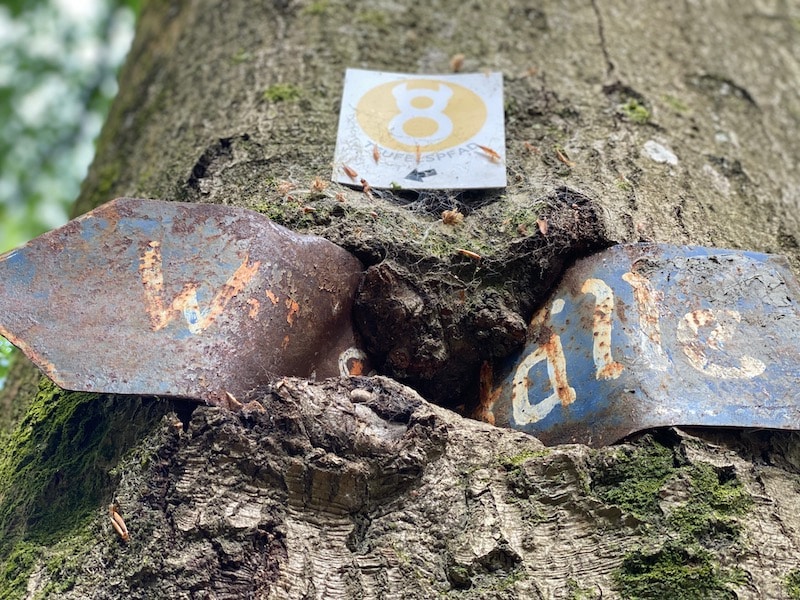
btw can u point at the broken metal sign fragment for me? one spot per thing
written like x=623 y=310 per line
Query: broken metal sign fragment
x=650 y=335
x=174 y=299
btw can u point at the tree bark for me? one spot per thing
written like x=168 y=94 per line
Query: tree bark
x=360 y=488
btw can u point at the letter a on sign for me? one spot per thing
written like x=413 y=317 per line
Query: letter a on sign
x=421 y=131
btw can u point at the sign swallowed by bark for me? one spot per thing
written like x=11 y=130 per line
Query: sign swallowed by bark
x=208 y=302
x=173 y=299
x=421 y=131
x=650 y=335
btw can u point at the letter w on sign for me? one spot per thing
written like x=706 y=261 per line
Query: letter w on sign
x=186 y=301
x=173 y=299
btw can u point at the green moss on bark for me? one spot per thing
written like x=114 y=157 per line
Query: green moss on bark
x=694 y=506
x=677 y=573
x=716 y=499
x=792 y=583
x=635 y=111
x=282 y=92
x=43 y=485
x=16 y=568
x=577 y=592
x=55 y=470
x=632 y=476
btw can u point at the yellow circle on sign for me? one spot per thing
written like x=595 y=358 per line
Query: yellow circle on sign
x=420 y=127
x=428 y=115
x=421 y=102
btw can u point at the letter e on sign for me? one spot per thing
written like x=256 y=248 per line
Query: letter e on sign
x=719 y=326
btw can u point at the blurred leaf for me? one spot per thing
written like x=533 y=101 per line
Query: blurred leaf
x=57 y=80
x=17 y=6
x=5 y=359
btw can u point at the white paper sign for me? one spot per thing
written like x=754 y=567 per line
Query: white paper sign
x=421 y=131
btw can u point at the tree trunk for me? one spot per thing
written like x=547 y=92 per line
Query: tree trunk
x=360 y=488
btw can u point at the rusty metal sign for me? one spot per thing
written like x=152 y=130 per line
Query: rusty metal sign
x=650 y=335
x=174 y=299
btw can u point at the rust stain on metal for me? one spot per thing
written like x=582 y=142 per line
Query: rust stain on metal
x=487 y=394
x=646 y=299
x=186 y=303
x=293 y=308
x=356 y=367
x=696 y=347
x=353 y=362
x=166 y=298
x=555 y=355
x=255 y=306
x=153 y=282
x=551 y=351
x=607 y=367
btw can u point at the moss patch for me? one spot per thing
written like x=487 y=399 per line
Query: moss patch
x=60 y=566
x=320 y=7
x=44 y=490
x=716 y=498
x=792 y=583
x=632 y=477
x=516 y=460
x=675 y=103
x=695 y=506
x=281 y=92
x=635 y=111
x=55 y=468
x=375 y=19
x=577 y=592
x=15 y=569
x=676 y=573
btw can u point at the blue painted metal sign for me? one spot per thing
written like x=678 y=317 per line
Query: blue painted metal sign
x=173 y=299
x=650 y=335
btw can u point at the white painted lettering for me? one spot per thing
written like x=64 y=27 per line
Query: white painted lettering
x=694 y=348
x=647 y=299
x=551 y=351
x=419 y=107
x=607 y=367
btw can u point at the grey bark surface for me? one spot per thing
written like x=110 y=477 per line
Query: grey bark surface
x=360 y=488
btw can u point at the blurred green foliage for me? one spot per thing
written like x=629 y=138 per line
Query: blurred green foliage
x=58 y=66
x=5 y=359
